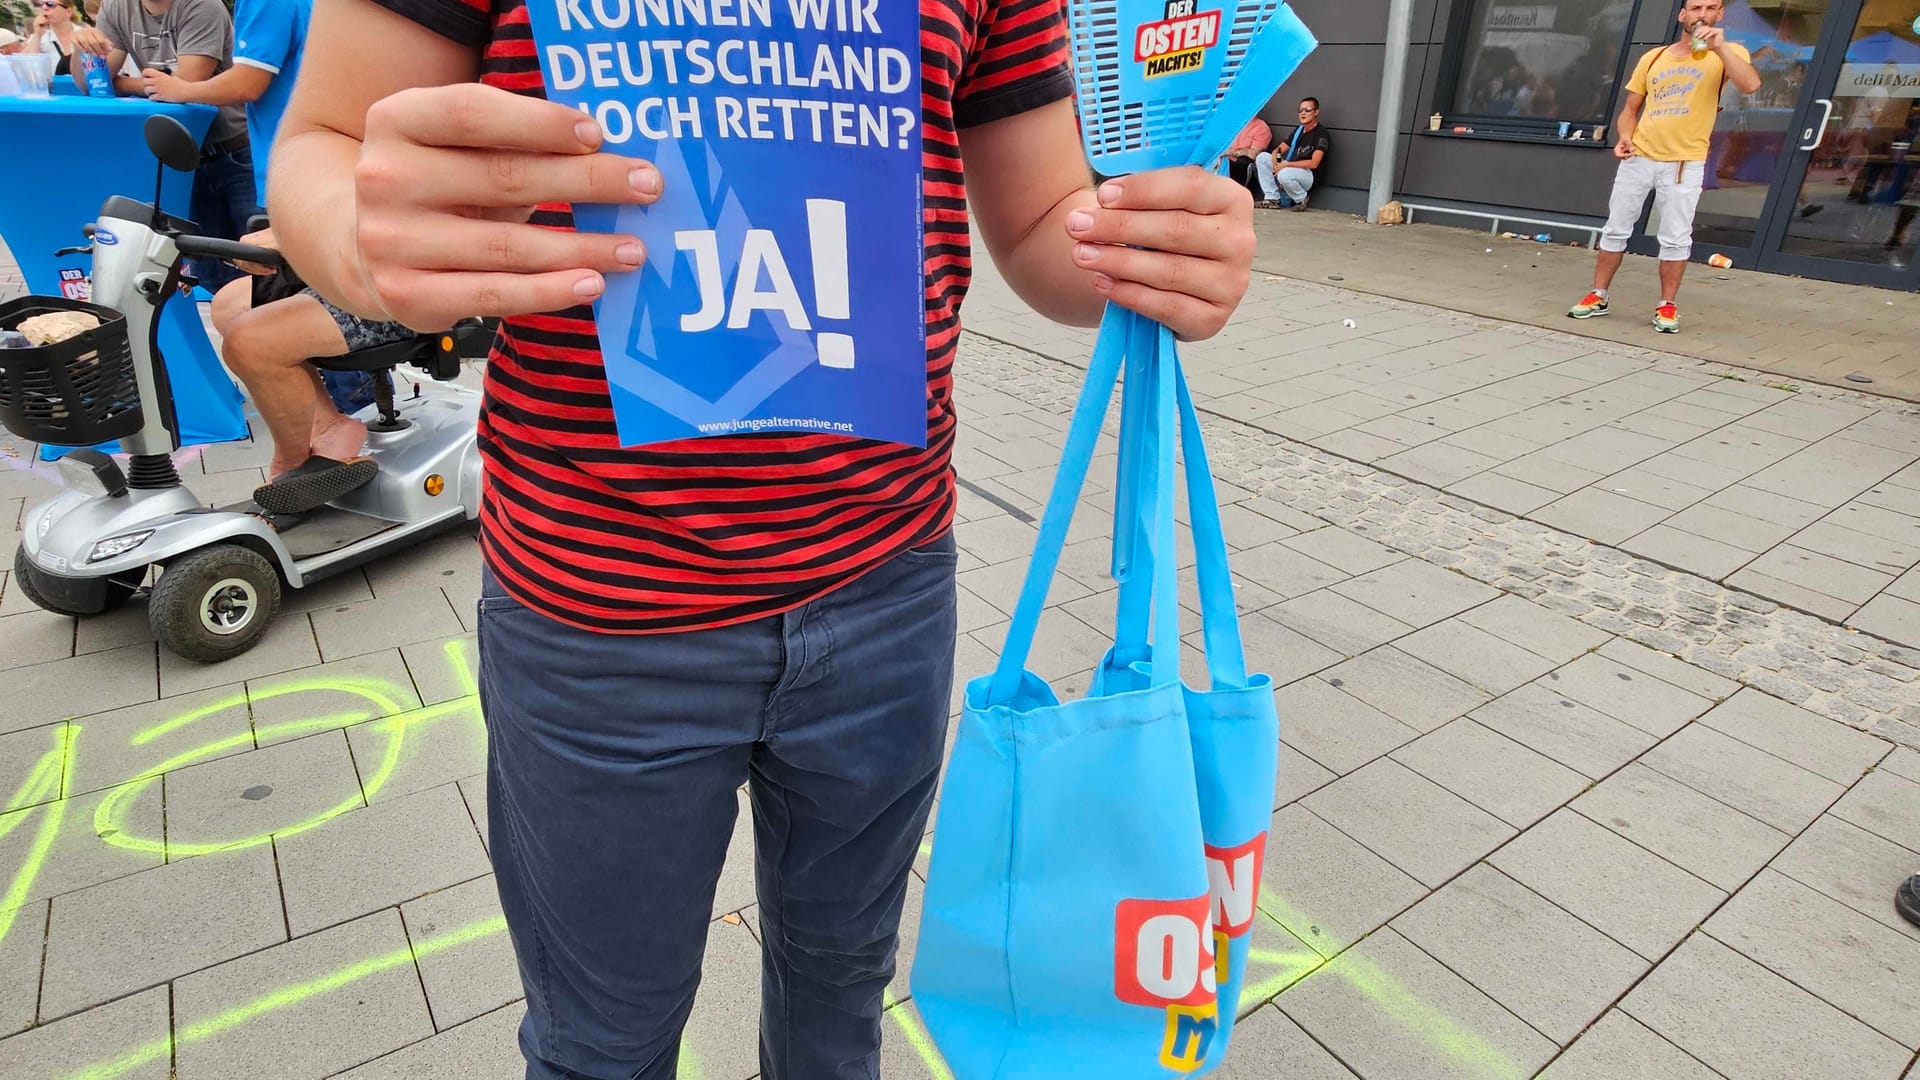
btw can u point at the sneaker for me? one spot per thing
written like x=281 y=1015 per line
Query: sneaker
x=1906 y=900
x=1589 y=306
x=1266 y=204
x=1666 y=318
x=1301 y=203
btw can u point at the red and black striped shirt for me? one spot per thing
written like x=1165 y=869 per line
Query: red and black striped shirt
x=712 y=531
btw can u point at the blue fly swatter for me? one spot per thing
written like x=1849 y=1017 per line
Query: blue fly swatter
x=1272 y=54
x=1150 y=73
x=1163 y=83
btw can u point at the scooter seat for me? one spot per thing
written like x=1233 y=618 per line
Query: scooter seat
x=439 y=355
x=381 y=357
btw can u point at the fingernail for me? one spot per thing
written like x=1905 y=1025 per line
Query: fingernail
x=629 y=254
x=1084 y=252
x=587 y=132
x=1080 y=221
x=1109 y=193
x=644 y=181
x=587 y=287
x=1102 y=283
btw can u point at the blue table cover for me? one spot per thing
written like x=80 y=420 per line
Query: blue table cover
x=66 y=154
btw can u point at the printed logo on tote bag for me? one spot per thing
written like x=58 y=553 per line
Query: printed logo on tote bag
x=1233 y=884
x=1172 y=954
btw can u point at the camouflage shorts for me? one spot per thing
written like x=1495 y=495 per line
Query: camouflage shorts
x=362 y=333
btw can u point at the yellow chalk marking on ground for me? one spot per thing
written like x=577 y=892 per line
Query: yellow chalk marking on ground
x=917 y=1036
x=291 y=995
x=1394 y=1000
x=42 y=781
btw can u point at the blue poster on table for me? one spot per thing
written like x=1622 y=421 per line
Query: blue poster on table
x=783 y=288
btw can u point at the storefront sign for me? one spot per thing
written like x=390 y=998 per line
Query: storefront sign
x=1539 y=17
x=1869 y=80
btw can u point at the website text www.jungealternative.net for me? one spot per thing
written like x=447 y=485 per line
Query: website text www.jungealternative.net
x=761 y=423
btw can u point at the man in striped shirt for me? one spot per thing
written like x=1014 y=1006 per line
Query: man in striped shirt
x=662 y=625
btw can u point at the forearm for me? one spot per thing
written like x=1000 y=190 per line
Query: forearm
x=234 y=86
x=1625 y=123
x=1041 y=270
x=129 y=86
x=311 y=203
x=1740 y=72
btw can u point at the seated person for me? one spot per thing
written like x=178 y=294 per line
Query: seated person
x=184 y=42
x=266 y=344
x=10 y=43
x=1293 y=174
x=54 y=33
x=1252 y=140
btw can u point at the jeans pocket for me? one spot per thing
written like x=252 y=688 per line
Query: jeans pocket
x=943 y=549
x=494 y=599
x=495 y=605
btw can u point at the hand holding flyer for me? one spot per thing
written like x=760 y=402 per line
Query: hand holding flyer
x=783 y=286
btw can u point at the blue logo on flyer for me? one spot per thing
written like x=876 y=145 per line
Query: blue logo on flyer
x=784 y=287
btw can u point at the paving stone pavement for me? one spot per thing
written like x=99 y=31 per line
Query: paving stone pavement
x=1790 y=327
x=1802 y=494
x=1545 y=807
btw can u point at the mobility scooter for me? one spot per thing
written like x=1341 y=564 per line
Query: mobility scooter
x=91 y=547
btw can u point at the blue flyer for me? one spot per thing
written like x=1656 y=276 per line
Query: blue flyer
x=784 y=287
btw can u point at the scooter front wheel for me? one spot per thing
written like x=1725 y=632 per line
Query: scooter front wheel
x=215 y=603
x=87 y=599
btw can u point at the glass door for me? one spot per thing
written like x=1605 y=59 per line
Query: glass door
x=1851 y=192
x=1753 y=137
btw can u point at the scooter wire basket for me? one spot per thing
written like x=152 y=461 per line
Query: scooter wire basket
x=76 y=392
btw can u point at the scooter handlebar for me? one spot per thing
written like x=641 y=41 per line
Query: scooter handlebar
x=209 y=247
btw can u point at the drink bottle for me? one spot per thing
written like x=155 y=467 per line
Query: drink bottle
x=95 y=70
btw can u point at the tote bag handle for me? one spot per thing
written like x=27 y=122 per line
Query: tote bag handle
x=1219 y=616
x=1076 y=457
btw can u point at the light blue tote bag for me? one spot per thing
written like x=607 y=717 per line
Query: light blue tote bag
x=1096 y=862
x=1233 y=723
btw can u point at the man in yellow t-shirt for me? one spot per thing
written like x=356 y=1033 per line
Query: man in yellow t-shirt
x=1663 y=132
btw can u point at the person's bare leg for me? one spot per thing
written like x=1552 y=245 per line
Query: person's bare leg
x=1671 y=271
x=234 y=299
x=335 y=434
x=267 y=348
x=1605 y=265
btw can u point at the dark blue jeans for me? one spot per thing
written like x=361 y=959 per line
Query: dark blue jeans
x=351 y=391
x=223 y=199
x=613 y=764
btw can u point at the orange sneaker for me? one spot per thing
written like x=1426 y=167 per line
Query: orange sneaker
x=1666 y=318
x=1591 y=305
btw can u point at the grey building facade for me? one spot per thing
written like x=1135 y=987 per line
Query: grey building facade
x=1813 y=175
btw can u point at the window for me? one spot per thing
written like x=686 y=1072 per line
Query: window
x=1535 y=64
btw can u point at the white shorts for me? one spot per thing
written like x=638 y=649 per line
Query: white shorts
x=1676 y=192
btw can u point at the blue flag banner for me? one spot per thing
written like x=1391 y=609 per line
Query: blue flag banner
x=784 y=285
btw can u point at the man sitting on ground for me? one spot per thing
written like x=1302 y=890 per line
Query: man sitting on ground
x=1294 y=173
